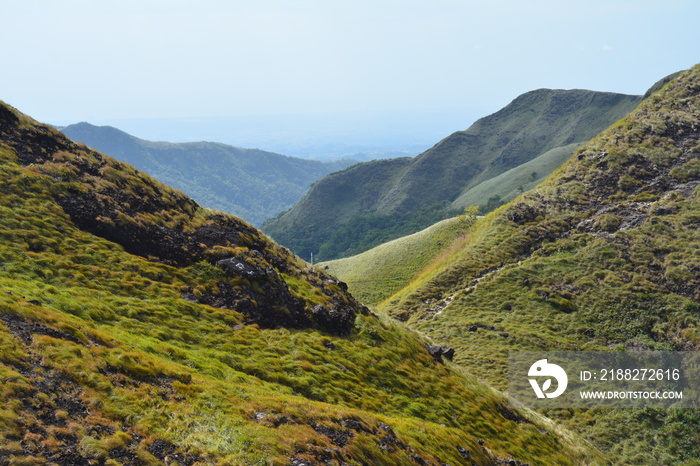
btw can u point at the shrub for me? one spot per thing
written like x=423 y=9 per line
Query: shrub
x=687 y=171
x=608 y=222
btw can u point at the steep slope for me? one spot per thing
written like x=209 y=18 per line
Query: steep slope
x=249 y=183
x=371 y=203
x=603 y=254
x=138 y=328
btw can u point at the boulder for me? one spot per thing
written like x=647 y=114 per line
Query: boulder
x=438 y=352
x=335 y=321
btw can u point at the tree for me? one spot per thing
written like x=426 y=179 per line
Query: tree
x=469 y=217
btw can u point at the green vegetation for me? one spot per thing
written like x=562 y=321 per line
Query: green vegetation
x=499 y=190
x=602 y=255
x=249 y=183
x=125 y=340
x=371 y=203
x=374 y=275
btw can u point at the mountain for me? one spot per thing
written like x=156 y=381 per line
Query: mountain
x=137 y=328
x=602 y=255
x=350 y=211
x=250 y=183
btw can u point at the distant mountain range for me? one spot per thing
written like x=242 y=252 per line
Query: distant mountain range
x=327 y=136
x=494 y=160
x=252 y=184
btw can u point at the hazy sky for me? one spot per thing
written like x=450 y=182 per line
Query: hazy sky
x=74 y=60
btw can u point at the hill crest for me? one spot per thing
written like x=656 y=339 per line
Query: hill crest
x=250 y=183
x=369 y=204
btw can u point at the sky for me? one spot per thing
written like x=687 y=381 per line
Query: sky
x=123 y=61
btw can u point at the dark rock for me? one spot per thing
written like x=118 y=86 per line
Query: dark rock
x=466 y=454
x=386 y=429
x=298 y=462
x=514 y=462
x=239 y=268
x=188 y=296
x=168 y=453
x=435 y=351
x=336 y=321
x=523 y=213
x=35 y=302
x=124 y=455
x=473 y=328
x=438 y=352
x=354 y=424
x=449 y=354
x=329 y=345
x=24 y=330
x=510 y=414
x=664 y=211
x=390 y=443
x=337 y=437
x=343 y=286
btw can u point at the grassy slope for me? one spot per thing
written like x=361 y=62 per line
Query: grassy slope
x=249 y=183
x=368 y=204
x=104 y=361
x=602 y=255
x=507 y=186
x=374 y=275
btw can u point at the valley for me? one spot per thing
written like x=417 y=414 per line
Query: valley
x=138 y=327
x=371 y=203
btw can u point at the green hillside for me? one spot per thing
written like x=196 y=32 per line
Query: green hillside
x=368 y=204
x=138 y=328
x=505 y=187
x=374 y=275
x=250 y=183
x=602 y=255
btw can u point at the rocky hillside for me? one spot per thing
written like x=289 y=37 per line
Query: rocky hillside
x=249 y=183
x=353 y=210
x=138 y=328
x=602 y=255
